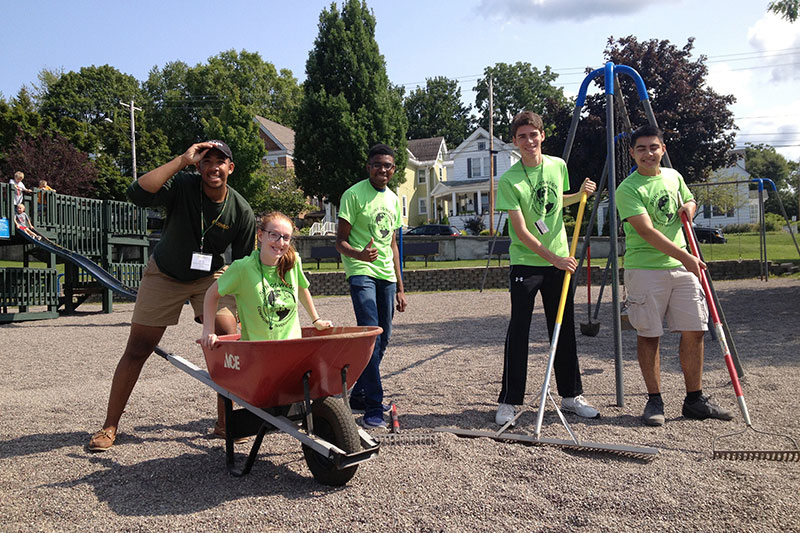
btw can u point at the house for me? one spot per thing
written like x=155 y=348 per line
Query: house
x=279 y=142
x=465 y=194
x=427 y=167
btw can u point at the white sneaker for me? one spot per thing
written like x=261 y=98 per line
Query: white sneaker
x=505 y=413
x=579 y=406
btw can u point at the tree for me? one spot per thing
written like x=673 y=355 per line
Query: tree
x=348 y=105
x=787 y=9
x=697 y=122
x=277 y=190
x=184 y=96
x=518 y=87
x=721 y=198
x=53 y=158
x=764 y=162
x=84 y=107
x=436 y=110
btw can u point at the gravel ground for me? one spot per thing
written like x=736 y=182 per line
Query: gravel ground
x=442 y=368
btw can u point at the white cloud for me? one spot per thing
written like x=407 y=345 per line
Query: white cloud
x=725 y=79
x=776 y=123
x=544 y=10
x=773 y=36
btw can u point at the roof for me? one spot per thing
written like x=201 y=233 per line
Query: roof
x=280 y=134
x=425 y=149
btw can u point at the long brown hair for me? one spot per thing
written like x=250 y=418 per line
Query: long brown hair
x=287 y=260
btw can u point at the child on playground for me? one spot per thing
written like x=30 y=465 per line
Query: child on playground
x=23 y=222
x=267 y=285
x=662 y=277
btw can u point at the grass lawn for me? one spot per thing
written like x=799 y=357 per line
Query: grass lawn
x=780 y=249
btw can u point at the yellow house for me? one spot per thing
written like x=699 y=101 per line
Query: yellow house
x=426 y=168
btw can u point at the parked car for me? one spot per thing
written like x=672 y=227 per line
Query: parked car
x=434 y=229
x=712 y=235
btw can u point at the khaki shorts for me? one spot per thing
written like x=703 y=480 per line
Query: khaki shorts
x=160 y=298
x=655 y=294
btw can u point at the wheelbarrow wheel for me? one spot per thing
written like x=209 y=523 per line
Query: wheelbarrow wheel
x=333 y=423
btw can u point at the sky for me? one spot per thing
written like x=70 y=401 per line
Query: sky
x=751 y=54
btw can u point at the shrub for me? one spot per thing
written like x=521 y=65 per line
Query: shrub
x=475 y=225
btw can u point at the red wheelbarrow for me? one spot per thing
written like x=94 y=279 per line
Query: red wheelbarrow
x=298 y=386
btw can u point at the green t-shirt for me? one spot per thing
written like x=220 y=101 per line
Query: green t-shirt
x=539 y=195
x=658 y=197
x=373 y=214
x=273 y=319
x=229 y=222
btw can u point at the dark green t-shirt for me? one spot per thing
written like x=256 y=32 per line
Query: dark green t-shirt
x=183 y=197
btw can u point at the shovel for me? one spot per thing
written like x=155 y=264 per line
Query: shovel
x=590 y=329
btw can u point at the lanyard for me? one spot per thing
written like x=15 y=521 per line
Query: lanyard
x=203 y=229
x=268 y=301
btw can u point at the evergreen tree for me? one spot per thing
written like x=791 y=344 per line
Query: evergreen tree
x=348 y=105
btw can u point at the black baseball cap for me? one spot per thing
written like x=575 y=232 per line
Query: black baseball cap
x=222 y=147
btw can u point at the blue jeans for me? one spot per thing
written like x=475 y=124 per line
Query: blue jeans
x=373 y=304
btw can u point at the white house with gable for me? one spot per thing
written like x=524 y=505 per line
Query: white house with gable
x=465 y=194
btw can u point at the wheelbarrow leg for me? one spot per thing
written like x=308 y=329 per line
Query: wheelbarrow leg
x=307 y=402
x=230 y=437
x=345 y=397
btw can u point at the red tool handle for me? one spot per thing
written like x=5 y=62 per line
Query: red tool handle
x=395 y=420
x=712 y=307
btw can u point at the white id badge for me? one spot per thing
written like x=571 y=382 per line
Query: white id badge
x=201 y=261
x=541 y=226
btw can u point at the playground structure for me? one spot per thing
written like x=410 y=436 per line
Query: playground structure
x=103 y=245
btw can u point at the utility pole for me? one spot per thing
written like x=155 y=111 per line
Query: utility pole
x=132 y=108
x=491 y=159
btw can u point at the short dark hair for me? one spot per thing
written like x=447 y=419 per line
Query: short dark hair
x=648 y=130
x=526 y=118
x=381 y=149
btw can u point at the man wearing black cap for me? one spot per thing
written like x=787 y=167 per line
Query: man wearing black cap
x=204 y=216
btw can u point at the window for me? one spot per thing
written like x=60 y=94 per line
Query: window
x=421 y=175
x=405 y=206
x=706 y=211
x=478 y=167
x=423 y=206
x=440 y=173
x=481 y=145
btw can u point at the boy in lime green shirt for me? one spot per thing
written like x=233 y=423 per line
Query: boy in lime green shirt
x=533 y=191
x=369 y=215
x=661 y=276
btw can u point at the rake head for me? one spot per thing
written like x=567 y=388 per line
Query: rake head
x=792 y=455
x=758 y=455
x=622 y=450
x=408 y=439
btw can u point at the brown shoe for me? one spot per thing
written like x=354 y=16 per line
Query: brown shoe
x=102 y=440
x=219 y=431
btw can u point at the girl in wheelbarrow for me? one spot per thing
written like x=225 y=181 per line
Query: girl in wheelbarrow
x=267 y=285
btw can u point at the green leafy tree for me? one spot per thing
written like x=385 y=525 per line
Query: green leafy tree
x=276 y=189
x=723 y=198
x=516 y=88
x=436 y=110
x=348 y=105
x=84 y=106
x=764 y=162
x=18 y=116
x=787 y=9
x=184 y=96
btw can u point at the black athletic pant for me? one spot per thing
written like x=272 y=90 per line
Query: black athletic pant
x=525 y=282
